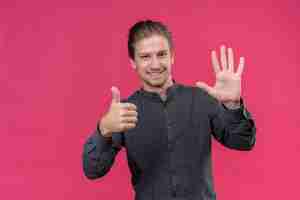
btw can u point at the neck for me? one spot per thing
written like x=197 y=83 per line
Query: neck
x=162 y=90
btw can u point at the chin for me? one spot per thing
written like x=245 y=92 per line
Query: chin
x=157 y=83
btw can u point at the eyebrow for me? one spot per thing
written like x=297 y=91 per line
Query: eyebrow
x=163 y=51
x=160 y=51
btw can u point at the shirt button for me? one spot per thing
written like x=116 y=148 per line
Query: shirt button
x=170 y=124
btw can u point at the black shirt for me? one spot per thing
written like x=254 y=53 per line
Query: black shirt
x=169 y=151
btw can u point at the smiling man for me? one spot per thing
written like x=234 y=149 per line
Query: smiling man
x=152 y=60
x=166 y=126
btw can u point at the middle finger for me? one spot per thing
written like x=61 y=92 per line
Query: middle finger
x=223 y=57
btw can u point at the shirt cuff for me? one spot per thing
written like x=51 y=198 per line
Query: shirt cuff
x=115 y=141
x=103 y=144
x=237 y=114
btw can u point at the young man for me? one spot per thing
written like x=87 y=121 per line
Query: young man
x=165 y=126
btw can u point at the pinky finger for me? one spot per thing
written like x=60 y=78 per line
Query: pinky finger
x=241 y=66
x=128 y=126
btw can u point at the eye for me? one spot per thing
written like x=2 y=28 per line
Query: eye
x=162 y=54
x=144 y=57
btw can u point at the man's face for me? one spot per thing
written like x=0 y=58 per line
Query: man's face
x=153 y=60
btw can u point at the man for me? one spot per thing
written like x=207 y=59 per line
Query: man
x=165 y=126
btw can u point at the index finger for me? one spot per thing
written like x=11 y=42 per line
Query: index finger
x=215 y=62
x=129 y=106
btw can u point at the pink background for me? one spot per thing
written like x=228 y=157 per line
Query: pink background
x=58 y=60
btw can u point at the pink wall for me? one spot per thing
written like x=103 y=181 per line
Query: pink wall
x=58 y=60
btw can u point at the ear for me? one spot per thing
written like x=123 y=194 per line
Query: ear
x=172 y=57
x=132 y=63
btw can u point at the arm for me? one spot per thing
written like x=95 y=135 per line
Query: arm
x=103 y=145
x=234 y=128
x=99 y=153
x=230 y=122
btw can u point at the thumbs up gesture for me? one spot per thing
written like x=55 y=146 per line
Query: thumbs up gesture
x=120 y=116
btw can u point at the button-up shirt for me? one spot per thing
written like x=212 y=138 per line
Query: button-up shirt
x=169 y=150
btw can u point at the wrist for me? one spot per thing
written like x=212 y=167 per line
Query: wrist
x=104 y=131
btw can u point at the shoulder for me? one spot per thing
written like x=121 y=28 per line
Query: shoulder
x=196 y=91
x=201 y=99
x=134 y=97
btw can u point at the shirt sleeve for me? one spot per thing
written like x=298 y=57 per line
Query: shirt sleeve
x=234 y=128
x=99 y=153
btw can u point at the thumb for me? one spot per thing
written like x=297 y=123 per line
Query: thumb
x=115 y=94
x=206 y=87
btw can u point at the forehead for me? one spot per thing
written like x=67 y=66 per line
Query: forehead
x=153 y=43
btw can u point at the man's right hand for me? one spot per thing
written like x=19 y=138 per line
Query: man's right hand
x=120 y=116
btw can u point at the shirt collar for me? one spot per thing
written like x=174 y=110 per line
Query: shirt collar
x=171 y=91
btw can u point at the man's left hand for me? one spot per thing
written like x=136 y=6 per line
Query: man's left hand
x=227 y=88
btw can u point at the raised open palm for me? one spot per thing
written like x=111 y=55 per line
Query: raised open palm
x=228 y=81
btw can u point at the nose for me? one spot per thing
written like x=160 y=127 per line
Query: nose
x=155 y=64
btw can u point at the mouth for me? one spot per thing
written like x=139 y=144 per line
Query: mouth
x=155 y=75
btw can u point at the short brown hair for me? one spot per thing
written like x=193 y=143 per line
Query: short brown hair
x=144 y=29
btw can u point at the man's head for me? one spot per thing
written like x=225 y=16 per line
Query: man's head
x=145 y=29
x=151 y=53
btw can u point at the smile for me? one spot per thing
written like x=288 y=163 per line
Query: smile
x=155 y=74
